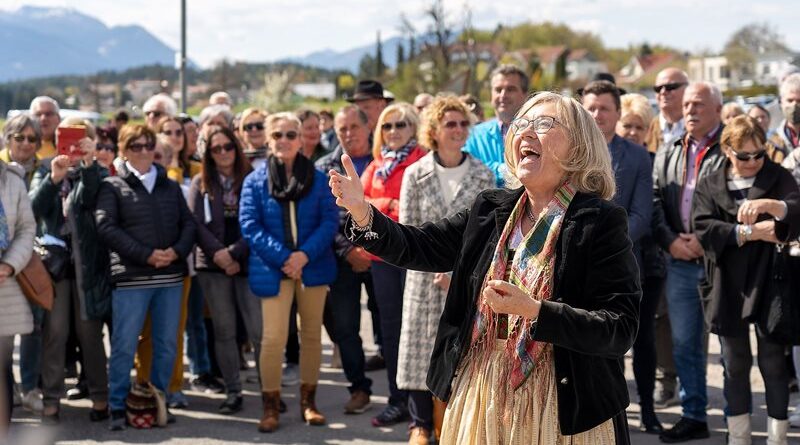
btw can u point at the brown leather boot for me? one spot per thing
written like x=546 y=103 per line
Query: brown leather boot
x=308 y=407
x=269 y=420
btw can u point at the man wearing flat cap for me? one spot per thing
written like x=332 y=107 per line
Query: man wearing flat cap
x=371 y=98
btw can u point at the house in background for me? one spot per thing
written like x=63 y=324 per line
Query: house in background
x=640 y=71
x=582 y=65
x=765 y=70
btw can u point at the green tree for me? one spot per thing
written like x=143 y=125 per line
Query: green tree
x=380 y=67
x=401 y=56
x=366 y=67
x=748 y=42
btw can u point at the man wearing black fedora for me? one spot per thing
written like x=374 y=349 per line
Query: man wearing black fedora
x=371 y=98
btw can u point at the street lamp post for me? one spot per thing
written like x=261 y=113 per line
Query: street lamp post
x=183 y=57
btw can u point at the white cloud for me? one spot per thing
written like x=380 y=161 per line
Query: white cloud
x=263 y=30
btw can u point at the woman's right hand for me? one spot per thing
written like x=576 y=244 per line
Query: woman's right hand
x=764 y=231
x=348 y=190
x=58 y=168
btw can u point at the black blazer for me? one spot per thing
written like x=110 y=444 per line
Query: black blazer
x=591 y=320
x=736 y=276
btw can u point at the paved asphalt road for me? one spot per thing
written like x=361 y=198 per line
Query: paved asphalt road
x=200 y=425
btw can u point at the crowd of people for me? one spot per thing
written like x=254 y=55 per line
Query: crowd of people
x=518 y=258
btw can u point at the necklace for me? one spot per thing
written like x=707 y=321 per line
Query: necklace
x=529 y=214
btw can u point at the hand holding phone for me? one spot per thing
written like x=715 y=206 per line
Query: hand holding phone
x=68 y=140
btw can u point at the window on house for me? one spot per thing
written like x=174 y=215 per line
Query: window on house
x=724 y=72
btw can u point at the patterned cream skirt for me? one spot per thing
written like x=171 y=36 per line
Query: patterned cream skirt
x=473 y=416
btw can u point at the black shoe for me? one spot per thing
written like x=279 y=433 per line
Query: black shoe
x=118 y=420
x=80 y=391
x=232 y=404
x=171 y=417
x=206 y=383
x=375 y=363
x=98 y=415
x=390 y=416
x=281 y=407
x=649 y=422
x=686 y=429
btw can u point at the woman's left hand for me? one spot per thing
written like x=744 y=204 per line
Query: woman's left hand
x=88 y=147
x=505 y=298
x=5 y=272
x=293 y=267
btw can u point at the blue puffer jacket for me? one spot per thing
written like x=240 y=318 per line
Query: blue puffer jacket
x=261 y=218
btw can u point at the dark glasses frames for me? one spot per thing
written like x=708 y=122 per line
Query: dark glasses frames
x=290 y=135
x=668 y=86
x=217 y=149
x=455 y=124
x=106 y=147
x=137 y=148
x=21 y=137
x=154 y=113
x=254 y=126
x=748 y=156
x=389 y=125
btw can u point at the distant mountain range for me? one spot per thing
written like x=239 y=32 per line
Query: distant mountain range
x=72 y=43
x=41 y=42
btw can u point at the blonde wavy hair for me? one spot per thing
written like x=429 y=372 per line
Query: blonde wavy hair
x=637 y=105
x=432 y=118
x=588 y=166
x=407 y=113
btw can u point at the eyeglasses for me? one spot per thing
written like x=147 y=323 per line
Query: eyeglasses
x=137 y=147
x=19 y=137
x=254 y=126
x=107 y=147
x=217 y=149
x=290 y=135
x=45 y=114
x=178 y=133
x=154 y=113
x=399 y=125
x=540 y=124
x=669 y=86
x=455 y=124
x=748 y=156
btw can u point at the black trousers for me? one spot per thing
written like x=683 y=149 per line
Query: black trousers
x=644 y=348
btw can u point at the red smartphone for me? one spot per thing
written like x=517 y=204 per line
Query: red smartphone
x=68 y=140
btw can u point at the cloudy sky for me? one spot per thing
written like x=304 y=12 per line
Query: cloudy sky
x=264 y=30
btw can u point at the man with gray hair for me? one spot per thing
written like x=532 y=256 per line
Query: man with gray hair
x=45 y=109
x=221 y=98
x=509 y=86
x=787 y=135
x=156 y=107
x=677 y=169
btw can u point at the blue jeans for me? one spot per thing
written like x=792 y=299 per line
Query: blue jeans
x=344 y=301
x=30 y=352
x=196 y=341
x=130 y=307
x=686 y=316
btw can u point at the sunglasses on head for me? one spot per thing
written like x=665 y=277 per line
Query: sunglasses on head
x=668 y=86
x=455 y=124
x=748 y=156
x=21 y=137
x=154 y=113
x=217 y=149
x=290 y=135
x=254 y=126
x=389 y=125
x=178 y=132
x=137 y=147
x=107 y=147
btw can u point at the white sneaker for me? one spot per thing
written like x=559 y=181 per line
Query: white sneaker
x=32 y=401
x=291 y=375
x=794 y=419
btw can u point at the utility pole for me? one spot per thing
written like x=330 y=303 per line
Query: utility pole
x=182 y=75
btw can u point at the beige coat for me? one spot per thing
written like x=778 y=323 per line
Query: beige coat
x=15 y=315
x=422 y=200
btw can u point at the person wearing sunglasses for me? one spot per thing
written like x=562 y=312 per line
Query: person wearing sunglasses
x=253 y=136
x=180 y=167
x=23 y=137
x=289 y=220
x=678 y=167
x=543 y=301
x=63 y=197
x=158 y=107
x=441 y=183
x=668 y=125
x=221 y=256
x=394 y=149
x=106 y=148
x=143 y=219
x=311 y=135
x=741 y=212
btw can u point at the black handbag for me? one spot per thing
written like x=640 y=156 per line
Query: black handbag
x=56 y=259
x=779 y=309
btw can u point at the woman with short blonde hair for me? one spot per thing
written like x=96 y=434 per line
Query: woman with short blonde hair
x=635 y=117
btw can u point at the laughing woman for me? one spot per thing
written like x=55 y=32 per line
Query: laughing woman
x=543 y=301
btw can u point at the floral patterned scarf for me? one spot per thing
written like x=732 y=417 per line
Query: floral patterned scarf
x=393 y=158
x=531 y=269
